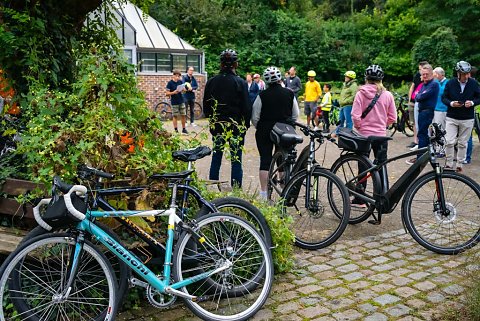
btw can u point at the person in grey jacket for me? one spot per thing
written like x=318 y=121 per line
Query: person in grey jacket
x=293 y=82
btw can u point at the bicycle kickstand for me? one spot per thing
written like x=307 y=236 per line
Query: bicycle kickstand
x=377 y=219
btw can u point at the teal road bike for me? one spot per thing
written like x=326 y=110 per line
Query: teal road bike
x=219 y=264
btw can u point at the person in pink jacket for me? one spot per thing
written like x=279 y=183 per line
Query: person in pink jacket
x=375 y=121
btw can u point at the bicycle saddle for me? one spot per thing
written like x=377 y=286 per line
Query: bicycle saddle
x=173 y=175
x=379 y=139
x=191 y=155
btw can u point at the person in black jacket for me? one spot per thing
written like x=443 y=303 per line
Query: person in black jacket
x=275 y=104
x=460 y=95
x=226 y=105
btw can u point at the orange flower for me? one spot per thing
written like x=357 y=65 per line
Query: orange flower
x=131 y=149
x=126 y=139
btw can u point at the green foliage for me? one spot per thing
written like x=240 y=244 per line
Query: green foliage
x=280 y=226
x=439 y=49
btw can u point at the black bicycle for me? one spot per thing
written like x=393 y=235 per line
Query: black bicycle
x=403 y=124
x=164 y=110
x=440 y=209
x=301 y=187
x=189 y=201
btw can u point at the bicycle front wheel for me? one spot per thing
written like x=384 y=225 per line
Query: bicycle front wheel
x=316 y=225
x=244 y=209
x=278 y=174
x=164 y=111
x=347 y=168
x=450 y=232
x=236 y=293
x=33 y=282
x=197 y=110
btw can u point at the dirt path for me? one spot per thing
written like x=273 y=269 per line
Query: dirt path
x=326 y=155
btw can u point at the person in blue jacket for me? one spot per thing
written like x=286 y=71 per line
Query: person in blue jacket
x=253 y=89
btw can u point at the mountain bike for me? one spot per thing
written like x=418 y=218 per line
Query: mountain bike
x=189 y=202
x=440 y=207
x=403 y=124
x=221 y=266
x=300 y=184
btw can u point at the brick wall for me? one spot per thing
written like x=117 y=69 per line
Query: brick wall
x=148 y=84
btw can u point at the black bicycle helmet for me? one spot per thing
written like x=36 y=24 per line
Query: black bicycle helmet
x=374 y=72
x=228 y=57
x=463 y=67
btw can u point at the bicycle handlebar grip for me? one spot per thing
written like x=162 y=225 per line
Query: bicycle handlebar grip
x=36 y=214
x=80 y=190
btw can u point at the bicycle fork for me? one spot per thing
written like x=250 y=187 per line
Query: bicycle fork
x=440 y=204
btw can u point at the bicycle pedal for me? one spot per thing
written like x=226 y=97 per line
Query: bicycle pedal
x=374 y=222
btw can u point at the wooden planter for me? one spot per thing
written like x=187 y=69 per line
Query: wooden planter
x=13 y=188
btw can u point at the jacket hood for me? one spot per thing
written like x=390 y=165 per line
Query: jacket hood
x=368 y=90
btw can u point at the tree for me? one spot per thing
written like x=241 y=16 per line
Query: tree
x=439 y=49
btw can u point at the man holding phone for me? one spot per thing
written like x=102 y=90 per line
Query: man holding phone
x=460 y=96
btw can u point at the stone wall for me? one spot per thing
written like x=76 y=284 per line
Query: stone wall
x=154 y=87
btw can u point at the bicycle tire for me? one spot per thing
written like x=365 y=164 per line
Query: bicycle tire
x=164 y=111
x=122 y=271
x=408 y=127
x=346 y=168
x=392 y=129
x=197 y=111
x=244 y=209
x=317 y=226
x=463 y=220
x=36 y=272
x=278 y=175
x=220 y=294
x=477 y=125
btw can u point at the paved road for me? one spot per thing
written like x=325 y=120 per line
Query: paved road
x=372 y=278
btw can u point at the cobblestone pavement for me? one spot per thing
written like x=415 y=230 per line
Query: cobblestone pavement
x=383 y=277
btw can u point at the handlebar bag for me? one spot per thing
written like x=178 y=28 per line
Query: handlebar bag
x=57 y=214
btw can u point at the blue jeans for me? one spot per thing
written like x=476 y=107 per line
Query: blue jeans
x=425 y=118
x=345 y=117
x=469 y=149
x=236 y=158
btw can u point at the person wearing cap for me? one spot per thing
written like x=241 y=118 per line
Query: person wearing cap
x=347 y=95
x=259 y=81
x=313 y=92
x=461 y=95
x=274 y=104
x=226 y=105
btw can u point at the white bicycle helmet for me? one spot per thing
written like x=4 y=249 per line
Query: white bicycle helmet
x=374 y=72
x=272 y=75
x=463 y=67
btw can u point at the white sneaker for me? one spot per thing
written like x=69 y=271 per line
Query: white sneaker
x=193 y=124
x=414 y=148
x=315 y=128
x=263 y=195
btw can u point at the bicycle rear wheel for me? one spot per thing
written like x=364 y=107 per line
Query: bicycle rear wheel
x=408 y=125
x=316 y=225
x=392 y=129
x=347 y=167
x=164 y=111
x=446 y=233
x=278 y=174
x=33 y=279
x=236 y=293
x=244 y=209
x=197 y=110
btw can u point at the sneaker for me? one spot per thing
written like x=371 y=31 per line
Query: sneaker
x=466 y=161
x=326 y=131
x=263 y=195
x=412 y=144
x=414 y=148
x=411 y=161
x=440 y=155
x=184 y=131
x=176 y=130
x=447 y=167
x=358 y=203
x=315 y=128
x=193 y=124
